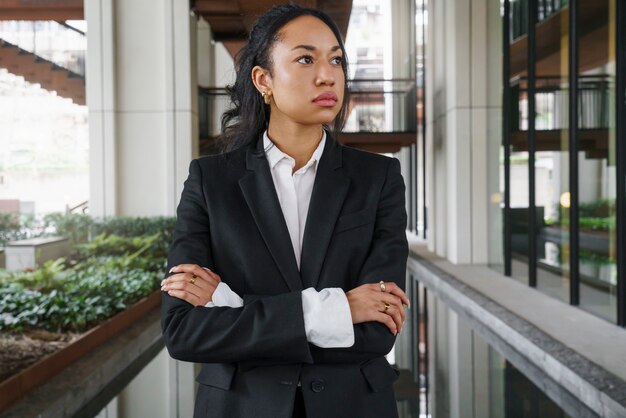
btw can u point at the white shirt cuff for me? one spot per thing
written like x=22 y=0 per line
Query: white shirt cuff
x=225 y=296
x=327 y=318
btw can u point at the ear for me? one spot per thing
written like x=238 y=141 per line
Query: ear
x=261 y=79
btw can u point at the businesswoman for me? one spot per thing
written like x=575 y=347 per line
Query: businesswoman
x=287 y=268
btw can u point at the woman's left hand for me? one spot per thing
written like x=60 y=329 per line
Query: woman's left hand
x=191 y=283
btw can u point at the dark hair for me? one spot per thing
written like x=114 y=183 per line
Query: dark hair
x=249 y=116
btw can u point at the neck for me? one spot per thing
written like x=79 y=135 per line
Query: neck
x=297 y=141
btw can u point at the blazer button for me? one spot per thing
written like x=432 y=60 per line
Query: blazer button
x=317 y=385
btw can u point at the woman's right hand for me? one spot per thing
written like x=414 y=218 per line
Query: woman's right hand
x=367 y=303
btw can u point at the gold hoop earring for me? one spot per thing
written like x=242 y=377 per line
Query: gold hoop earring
x=266 y=97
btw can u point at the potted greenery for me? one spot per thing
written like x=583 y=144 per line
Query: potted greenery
x=58 y=312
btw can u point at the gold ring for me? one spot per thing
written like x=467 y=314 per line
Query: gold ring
x=383 y=288
x=386 y=306
x=193 y=279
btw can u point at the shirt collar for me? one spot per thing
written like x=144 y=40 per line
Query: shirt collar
x=274 y=155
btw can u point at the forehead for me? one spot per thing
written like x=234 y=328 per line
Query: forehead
x=307 y=30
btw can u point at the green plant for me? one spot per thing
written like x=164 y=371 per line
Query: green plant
x=74 y=226
x=601 y=208
x=12 y=227
x=84 y=300
x=45 y=278
x=134 y=227
x=122 y=264
x=115 y=245
x=599 y=224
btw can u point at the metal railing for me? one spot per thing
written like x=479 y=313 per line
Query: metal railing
x=58 y=43
x=212 y=103
x=375 y=106
x=552 y=103
x=382 y=106
x=519 y=14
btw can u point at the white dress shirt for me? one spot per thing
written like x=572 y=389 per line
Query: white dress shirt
x=327 y=317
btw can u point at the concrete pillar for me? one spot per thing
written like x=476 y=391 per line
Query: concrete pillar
x=466 y=378
x=224 y=66
x=481 y=377
x=439 y=361
x=461 y=368
x=100 y=93
x=205 y=54
x=464 y=104
x=142 y=100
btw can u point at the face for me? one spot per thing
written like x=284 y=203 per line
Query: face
x=307 y=80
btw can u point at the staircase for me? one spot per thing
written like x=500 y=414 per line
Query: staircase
x=38 y=70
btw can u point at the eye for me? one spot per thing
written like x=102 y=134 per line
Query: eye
x=305 y=59
x=337 y=60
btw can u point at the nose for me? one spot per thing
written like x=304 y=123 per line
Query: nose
x=325 y=74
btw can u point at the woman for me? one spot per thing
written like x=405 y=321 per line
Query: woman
x=288 y=262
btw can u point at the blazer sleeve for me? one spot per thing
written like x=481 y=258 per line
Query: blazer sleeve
x=269 y=329
x=386 y=261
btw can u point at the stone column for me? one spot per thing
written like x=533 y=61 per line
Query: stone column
x=142 y=100
x=463 y=99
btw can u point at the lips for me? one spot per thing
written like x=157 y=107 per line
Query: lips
x=326 y=99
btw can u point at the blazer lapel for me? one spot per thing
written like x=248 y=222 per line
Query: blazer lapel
x=329 y=192
x=260 y=194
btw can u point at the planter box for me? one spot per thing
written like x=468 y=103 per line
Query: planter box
x=2 y=258
x=30 y=253
x=18 y=386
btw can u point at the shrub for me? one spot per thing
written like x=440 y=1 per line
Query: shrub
x=122 y=264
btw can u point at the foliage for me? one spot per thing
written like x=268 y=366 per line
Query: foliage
x=135 y=227
x=595 y=258
x=602 y=224
x=14 y=227
x=116 y=245
x=75 y=226
x=44 y=278
x=601 y=208
x=599 y=224
x=82 y=300
x=122 y=264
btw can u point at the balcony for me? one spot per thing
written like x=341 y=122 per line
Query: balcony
x=382 y=115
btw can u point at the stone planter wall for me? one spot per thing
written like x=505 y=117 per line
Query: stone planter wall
x=16 y=388
x=30 y=253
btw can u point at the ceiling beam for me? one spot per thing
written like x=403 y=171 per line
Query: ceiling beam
x=231 y=21
x=41 y=10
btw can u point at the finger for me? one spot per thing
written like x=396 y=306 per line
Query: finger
x=197 y=270
x=185 y=286
x=206 y=286
x=386 y=320
x=395 y=315
x=393 y=312
x=198 y=281
x=206 y=274
x=394 y=289
x=394 y=301
x=183 y=268
x=213 y=274
x=186 y=296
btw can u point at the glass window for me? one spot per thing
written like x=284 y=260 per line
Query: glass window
x=597 y=158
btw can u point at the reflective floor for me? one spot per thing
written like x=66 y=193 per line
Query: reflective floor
x=454 y=372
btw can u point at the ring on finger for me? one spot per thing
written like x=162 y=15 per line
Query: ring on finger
x=383 y=288
x=193 y=278
x=386 y=307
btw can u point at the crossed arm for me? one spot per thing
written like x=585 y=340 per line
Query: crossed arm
x=272 y=328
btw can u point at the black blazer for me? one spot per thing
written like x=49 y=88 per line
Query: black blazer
x=230 y=220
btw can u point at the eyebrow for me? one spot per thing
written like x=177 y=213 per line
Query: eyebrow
x=312 y=48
